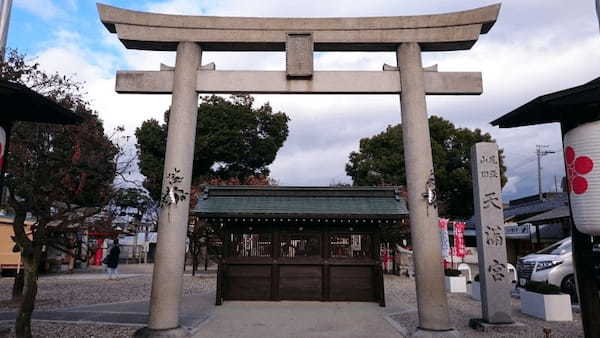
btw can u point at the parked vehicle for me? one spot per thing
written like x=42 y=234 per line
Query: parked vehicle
x=554 y=265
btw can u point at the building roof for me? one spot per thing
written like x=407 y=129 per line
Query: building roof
x=581 y=102
x=20 y=103
x=301 y=202
x=549 y=216
x=527 y=207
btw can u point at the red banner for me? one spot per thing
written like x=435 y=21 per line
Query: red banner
x=459 y=239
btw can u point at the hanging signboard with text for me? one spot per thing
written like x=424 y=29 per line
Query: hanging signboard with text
x=445 y=240
x=582 y=151
x=491 y=241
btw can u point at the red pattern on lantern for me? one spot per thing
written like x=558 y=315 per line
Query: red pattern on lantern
x=577 y=166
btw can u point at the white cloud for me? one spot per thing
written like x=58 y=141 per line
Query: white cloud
x=72 y=4
x=184 y=7
x=511 y=185
x=46 y=9
x=67 y=56
x=522 y=57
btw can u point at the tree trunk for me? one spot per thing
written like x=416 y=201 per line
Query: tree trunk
x=17 y=291
x=30 y=267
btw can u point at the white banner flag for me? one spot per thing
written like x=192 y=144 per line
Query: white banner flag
x=445 y=240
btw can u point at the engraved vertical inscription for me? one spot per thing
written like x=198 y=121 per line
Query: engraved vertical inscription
x=299 y=49
x=491 y=199
x=491 y=240
x=494 y=235
x=497 y=271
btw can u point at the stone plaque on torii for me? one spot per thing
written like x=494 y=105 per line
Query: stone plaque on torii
x=299 y=38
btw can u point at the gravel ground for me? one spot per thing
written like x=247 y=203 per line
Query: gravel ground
x=91 y=287
x=60 y=291
x=400 y=292
x=59 y=330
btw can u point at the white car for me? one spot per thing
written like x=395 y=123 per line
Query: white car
x=553 y=265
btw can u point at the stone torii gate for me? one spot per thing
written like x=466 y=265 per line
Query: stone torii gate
x=189 y=36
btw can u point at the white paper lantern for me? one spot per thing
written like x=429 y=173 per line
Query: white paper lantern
x=2 y=147
x=582 y=157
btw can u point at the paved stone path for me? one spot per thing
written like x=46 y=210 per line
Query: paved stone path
x=90 y=276
x=285 y=319
x=289 y=319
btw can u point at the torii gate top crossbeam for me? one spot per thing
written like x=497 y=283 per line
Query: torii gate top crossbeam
x=439 y=32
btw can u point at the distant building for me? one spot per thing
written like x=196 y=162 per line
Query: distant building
x=530 y=224
x=536 y=223
x=10 y=261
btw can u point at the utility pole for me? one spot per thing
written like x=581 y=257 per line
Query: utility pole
x=5 y=7
x=5 y=126
x=598 y=10
x=540 y=152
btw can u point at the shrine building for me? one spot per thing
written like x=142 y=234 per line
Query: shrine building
x=301 y=243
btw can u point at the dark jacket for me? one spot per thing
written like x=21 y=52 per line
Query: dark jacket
x=112 y=260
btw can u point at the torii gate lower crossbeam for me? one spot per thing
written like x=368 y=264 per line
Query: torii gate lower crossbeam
x=322 y=82
x=407 y=36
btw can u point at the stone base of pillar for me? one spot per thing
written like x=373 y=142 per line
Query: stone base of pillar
x=177 y=332
x=422 y=333
x=482 y=326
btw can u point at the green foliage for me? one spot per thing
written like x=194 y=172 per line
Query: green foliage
x=132 y=201
x=131 y=198
x=57 y=173
x=54 y=165
x=233 y=140
x=151 y=145
x=380 y=161
x=542 y=288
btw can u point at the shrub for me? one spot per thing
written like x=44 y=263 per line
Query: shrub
x=542 y=288
x=452 y=272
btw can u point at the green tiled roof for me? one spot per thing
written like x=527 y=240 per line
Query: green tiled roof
x=312 y=202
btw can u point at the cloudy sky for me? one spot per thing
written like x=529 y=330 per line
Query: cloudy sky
x=536 y=46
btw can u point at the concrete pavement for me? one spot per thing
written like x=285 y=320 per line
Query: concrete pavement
x=289 y=319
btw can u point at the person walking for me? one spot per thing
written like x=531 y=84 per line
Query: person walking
x=112 y=261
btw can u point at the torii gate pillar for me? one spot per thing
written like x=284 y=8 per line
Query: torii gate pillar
x=167 y=279
x=431 y=294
